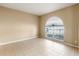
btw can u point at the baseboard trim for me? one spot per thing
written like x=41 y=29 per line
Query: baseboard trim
x=69 y=44
x=1 y=44
x=5 y=43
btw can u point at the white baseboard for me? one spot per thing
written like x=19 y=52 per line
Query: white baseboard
x=19 y=40
x=5 y=43
x=71 y=45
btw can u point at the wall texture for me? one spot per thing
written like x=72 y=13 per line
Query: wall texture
x=70 y=18
x=16 y=25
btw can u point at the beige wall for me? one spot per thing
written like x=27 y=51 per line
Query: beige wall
x=70 y=17
x=16 y=25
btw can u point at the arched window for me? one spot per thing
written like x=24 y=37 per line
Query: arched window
x=54 y=28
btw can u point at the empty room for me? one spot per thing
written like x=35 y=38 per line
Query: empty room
x=39 y=29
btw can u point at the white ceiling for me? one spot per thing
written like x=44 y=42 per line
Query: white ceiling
x=37 y=8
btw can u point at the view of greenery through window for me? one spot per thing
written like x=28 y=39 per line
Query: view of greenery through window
x=54 y=28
